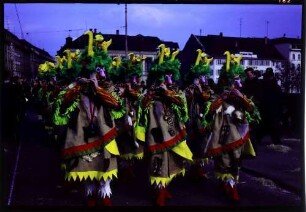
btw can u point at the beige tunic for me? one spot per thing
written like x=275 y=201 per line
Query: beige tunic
x=166 y=139
x=228 y=140
x=95 y=157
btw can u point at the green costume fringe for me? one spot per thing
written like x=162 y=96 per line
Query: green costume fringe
x=63 y=118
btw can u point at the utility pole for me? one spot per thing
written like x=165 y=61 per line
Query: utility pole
x=126 y=42
x=267 y=32
x=240 y=25
x=200 y=32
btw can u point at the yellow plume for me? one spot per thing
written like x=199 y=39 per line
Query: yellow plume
x=90 y=43
x=50 y=65
x=207 y=61
x=237 y=59
x=139 y=59
x=131 y=56
x=42 y=67
x=228 y=59
x=68 y=53
x=106 y=44
x=174 y=54
x=167 y=52
x=198 y=57
x=99 y=38
x=58 y=62
x=116 y=62
x=161 y=53
x=63 y=59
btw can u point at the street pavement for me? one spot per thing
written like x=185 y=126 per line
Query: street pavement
x=282 y=163
x=274 y=177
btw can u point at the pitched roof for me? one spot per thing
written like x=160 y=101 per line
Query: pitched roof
x=216 y=45
x=22 y=43
x=135 y=43
x=40 y=51
x=295 y=42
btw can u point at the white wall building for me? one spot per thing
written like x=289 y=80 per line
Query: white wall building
x=258 y=53
x=291 y=49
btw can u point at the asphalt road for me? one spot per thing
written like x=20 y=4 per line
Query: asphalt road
x=33 y=180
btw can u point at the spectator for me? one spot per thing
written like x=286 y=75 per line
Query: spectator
x=17 y=100
x=271 y=106
x=252 y=88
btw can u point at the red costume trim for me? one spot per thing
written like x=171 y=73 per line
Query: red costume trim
x=95 y=145
x=170 y=143
x=228 y=147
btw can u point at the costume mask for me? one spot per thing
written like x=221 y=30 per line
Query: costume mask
x=168 y=78
x=101 y=71
x=203 y=79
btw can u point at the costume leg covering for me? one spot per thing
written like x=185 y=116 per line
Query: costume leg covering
x=90 y=191
x=105 y=192
x=162 y=194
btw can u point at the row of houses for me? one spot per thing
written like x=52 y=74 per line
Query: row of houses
x=22 y=58
x=258 y=53
x=144 y=46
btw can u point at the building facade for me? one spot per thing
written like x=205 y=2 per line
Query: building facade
x=258 y=53
x=143 y=46
x=21 y=58
x=291 y=49
x=291 y=74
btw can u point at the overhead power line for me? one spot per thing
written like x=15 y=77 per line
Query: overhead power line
x=19 y=21
x=67 y=30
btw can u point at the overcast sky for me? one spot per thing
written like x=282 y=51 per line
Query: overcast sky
x=46 y=25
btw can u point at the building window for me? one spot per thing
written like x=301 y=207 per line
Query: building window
x=293 y=56
x=220 y=61
x=298 y=67
x=299 y=56
x=148 y=63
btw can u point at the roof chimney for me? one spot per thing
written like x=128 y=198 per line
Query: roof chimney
x=117 y=32
x=68 y=41
x=95 y=31
x=221 y=34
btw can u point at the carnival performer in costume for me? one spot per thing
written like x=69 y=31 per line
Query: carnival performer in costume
x=90 y=150
x=126 y=74
x=199 y=96
x=47 y=95
x=161 y=122
x=232 y=112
